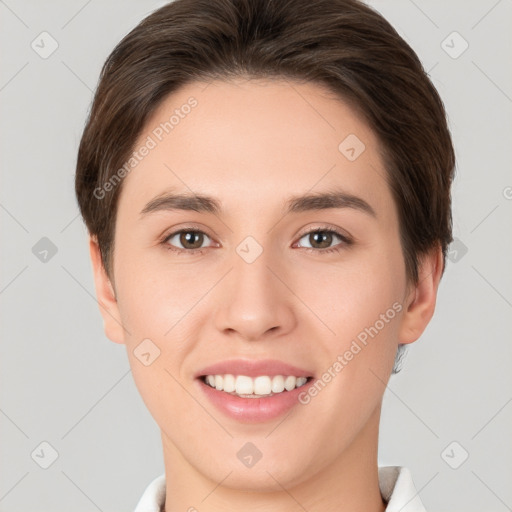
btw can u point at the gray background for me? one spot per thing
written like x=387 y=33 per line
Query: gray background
x=63 y=382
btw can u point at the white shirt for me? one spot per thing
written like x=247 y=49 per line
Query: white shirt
x=395 y=482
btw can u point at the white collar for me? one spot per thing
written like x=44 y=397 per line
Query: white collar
x=395 y=482
x=397 y=489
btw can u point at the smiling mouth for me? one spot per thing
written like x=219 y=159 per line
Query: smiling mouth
x=262 y=386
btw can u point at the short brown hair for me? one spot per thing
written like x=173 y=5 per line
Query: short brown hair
x=342 y=44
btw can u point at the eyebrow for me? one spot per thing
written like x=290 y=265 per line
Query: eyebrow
x=329 y=199
x=301 y=203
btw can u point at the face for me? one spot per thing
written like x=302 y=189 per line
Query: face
x=318 y=283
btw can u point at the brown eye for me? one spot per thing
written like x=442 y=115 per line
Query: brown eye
x=320 y=239
x=324 y=241
x=184 y=240
x=191 y=239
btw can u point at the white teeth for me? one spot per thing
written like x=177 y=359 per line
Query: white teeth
x=244 y=385
x=289 y=383
x=278 y=384
x=301 y=381
x=229 y=383
x=263 y=385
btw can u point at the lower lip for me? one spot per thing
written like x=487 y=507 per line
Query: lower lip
x=254 y=410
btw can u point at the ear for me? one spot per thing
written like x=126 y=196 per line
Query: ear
x=421 y=300
x=105 y=295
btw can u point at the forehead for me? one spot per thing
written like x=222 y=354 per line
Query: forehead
x=248 y=140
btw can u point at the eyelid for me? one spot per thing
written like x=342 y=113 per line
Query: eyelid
x=187 y=227
x=326 y=227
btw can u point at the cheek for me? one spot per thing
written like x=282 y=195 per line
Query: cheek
x=349 y=297
x=156 y=309
x=362 y=307
x=361 y=304
x=155 y=297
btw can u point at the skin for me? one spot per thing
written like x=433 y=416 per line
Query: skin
x=293 y=303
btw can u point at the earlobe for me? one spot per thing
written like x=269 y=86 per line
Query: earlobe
x=105 y=295
x=421 y=301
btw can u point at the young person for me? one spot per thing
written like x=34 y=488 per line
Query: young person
x=266 y=185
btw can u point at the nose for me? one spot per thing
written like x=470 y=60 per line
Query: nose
x=254 y=302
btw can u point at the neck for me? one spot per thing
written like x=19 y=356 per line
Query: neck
x=349 y=484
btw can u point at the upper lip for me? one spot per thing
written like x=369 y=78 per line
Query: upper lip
x=253 y=368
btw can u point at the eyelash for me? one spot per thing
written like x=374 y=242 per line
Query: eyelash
x=345 y=241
